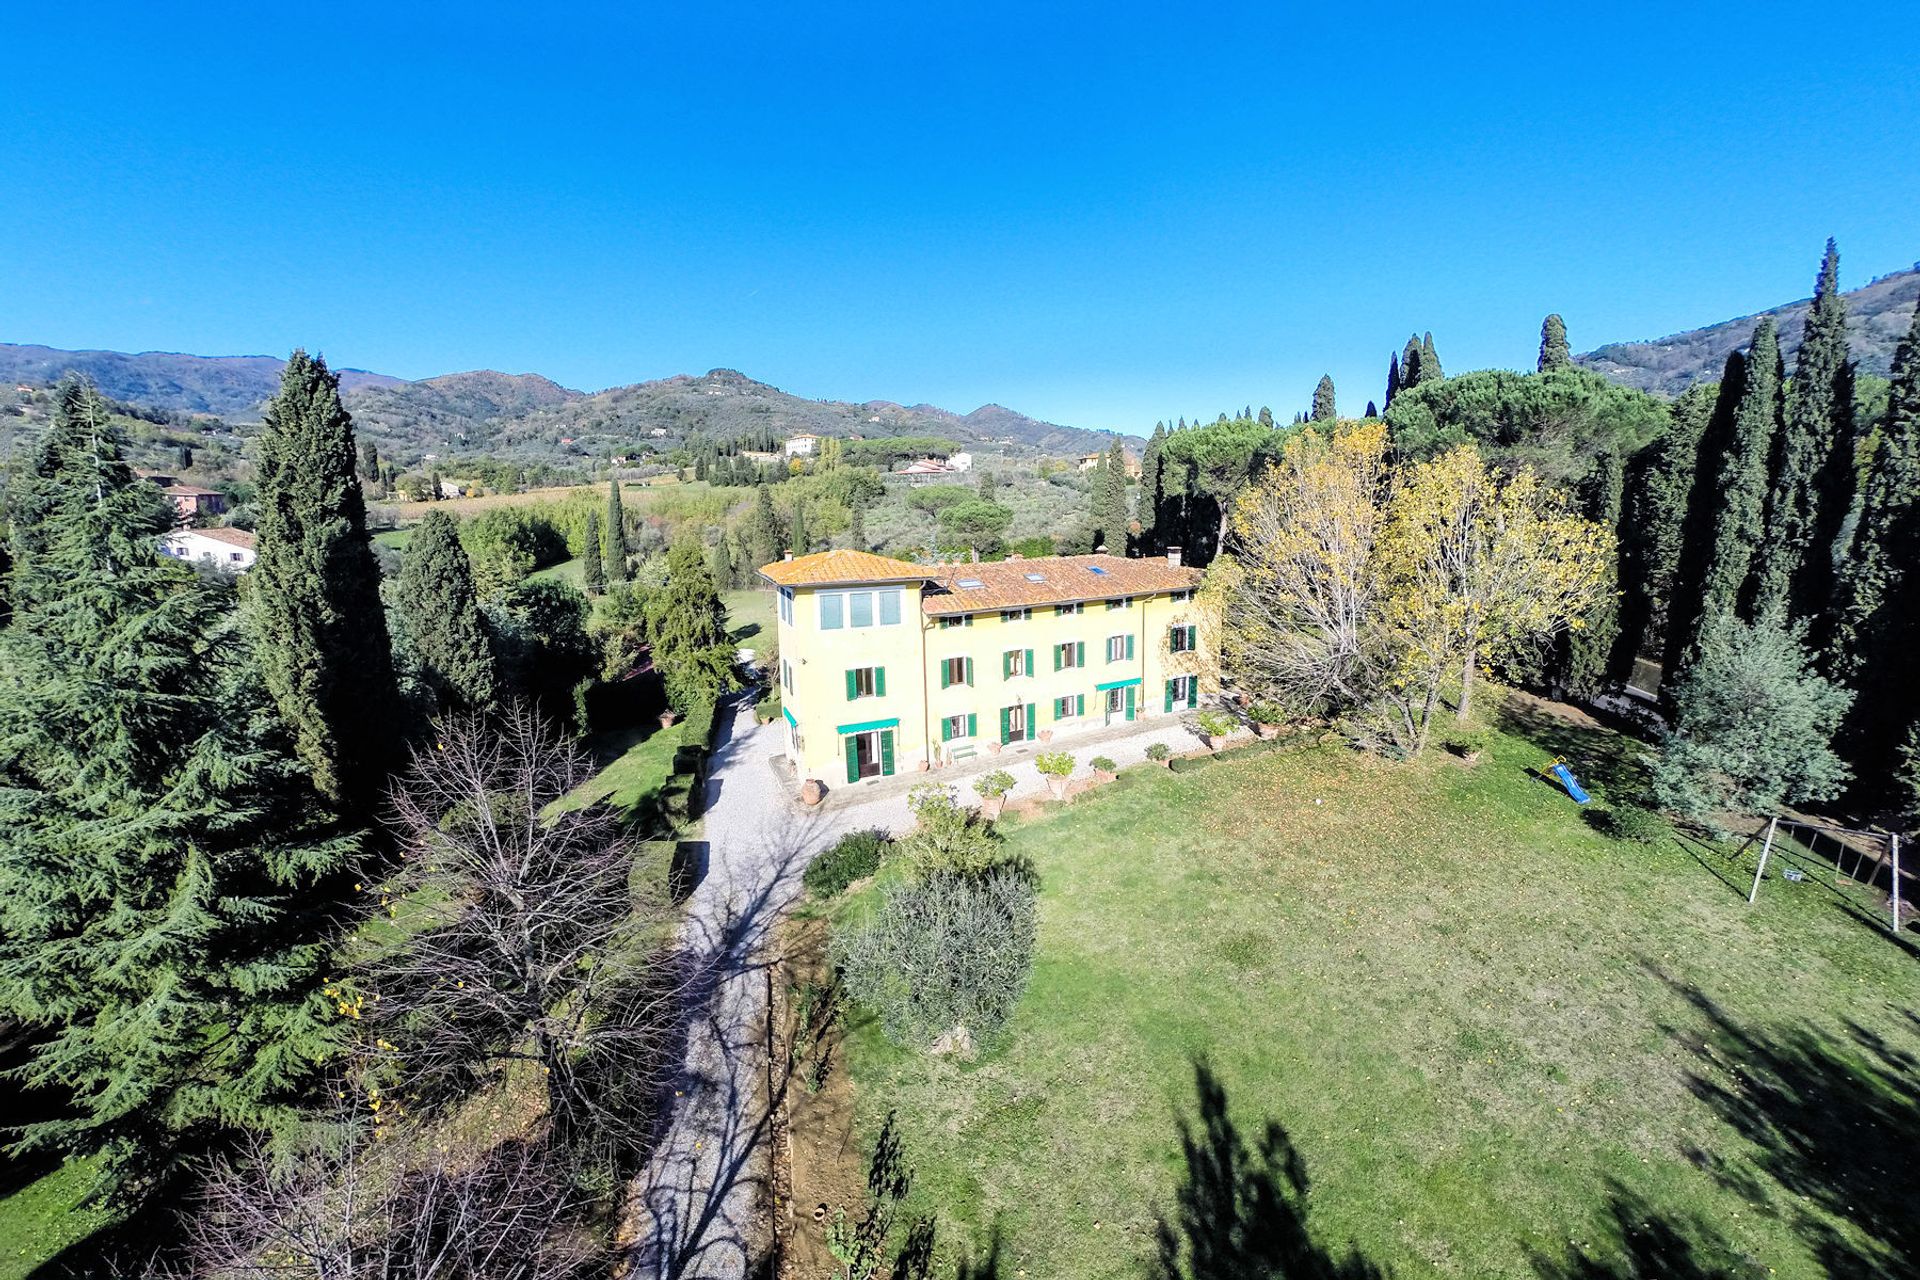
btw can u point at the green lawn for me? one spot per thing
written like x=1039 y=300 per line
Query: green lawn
x=635 y=764
x=46 y=1216
x=1496 y=1039
x=750 y=616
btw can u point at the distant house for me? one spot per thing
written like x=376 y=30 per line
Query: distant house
x=452 y=489
x=226 y=548
x=190 y=500
x=658 y=433
x=961 y=462
x=1089 y=461
x=926 y=471
x=802 y=445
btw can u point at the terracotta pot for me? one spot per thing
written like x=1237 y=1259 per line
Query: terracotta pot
x=993 y=748
x=1101 y=776
x=667 y=719
x=1046 y=735
x=990 y=806
x=1267 y=731
x=1057 y=785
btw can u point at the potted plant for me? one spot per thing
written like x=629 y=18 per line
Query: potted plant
x=1214 y=728
x=1055 y=767
x=1104 y=769
x=1160 y=753
x=992 y=789
x=1267 y=718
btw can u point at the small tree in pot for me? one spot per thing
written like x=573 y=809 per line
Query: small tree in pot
x=992 y=789
x=1055 y=767
x=1267 y=719
x=1214 y=726
x=1160 y=753
x=1103 y=768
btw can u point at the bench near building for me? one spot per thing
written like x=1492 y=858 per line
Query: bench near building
x=889 y=667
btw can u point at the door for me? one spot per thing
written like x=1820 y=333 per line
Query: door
x=1129 y=696
x=1114 y=705
x=865 y=760
x=1016 y=723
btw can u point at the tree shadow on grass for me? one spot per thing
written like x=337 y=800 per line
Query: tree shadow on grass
x=1241 y=1213
x=1835 y=1124
x=1606 y=756
x=1641 y=1244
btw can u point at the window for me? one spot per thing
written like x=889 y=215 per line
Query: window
x=1180 y=597
x=786 y=605
x=1119 y=648
x=965 y=726
x=1016 y=662
x=234 y=556
x=1016 y=723
x=1072 y=705
x=1015 y=615
x=1185 y=639
x=955 y=671
x=859 y=608
x=1183 y=691
x=956 y=620
x=1036 y=577
x=1069 y=610
x=866 y=682
x=786 y=675
x=1071 y=654
x=1125 y=602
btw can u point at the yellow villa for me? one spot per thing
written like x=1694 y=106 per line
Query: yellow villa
x=889 y=667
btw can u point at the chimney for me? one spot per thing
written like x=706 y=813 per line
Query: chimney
x=789 y=556
x=1173 y=556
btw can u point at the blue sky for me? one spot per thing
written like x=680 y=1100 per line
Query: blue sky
x=1100 y=215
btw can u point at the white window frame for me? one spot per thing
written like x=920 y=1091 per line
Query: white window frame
x=1014 y=661
x=1069 y=652
x=875 y=601
x=1016 y=615
x=1124 y=602
x=866 y=684
x=786 y=605
x=1182 y=691
x=946 y=671
x=1073 y=610
x=958 y=725
x=1117 y=648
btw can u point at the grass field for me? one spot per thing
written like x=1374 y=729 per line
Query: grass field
x=1498 y=1042
x=750 y=617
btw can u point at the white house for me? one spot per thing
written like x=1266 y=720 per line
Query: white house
x=802 y=445
x=226 y=548
x=961 y=462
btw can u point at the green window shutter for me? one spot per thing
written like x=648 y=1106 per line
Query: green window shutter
x=1169 y=705
x=1129 y=702
x=1006 y=725
x=1193 y=691
x=1056 y=655
x=853 y=688
x=886 y=753
x=1079 y=653
x=969 y=672
x=879 y=682
x=1079 y=704
x=853 y=760
x=973 y=725
x=1006 y=665
x=1029 y=662
x=944 y=682
x=1033 y=717
x=1129 y=646
x=1193 y=638
x=946 y=729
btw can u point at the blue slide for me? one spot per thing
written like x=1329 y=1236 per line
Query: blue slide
x=1571 y=783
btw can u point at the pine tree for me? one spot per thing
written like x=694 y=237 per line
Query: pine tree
x=440 y=610
x=1323 y=403
x=313 y=595
x=593 y=570
x=1265 y=417
x=1393 y=379
x=1554 y=352
x=1659 y=485
x=617 y=548
x=1875 y=621
x=1410 y=363
x=802 y=540
x=159 y=842
x=1429 y=360
x=687 y=626
x=1813 y=465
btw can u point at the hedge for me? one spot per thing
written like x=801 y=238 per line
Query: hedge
x=1186 y=764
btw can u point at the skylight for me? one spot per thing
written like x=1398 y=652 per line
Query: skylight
x=971 y=584
x=1094 y=568
x=1036 y=577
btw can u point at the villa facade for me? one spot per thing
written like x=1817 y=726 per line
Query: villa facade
x=887 y=667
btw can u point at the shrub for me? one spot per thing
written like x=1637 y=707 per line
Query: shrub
x=944 y=959
x=997 y=783
x=1266 y=713
x=857 y=855
x=1630 y=822
x=1215 y=724
x=698 y=726
x=947 y=839
x=1158 y=751
x=1055 y=764
x=1466 y=743
x=1103 y=763
x=1258 y=747
x=1185 y=764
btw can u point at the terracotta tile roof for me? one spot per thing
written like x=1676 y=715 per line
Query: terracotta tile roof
x=232 y=537
x=826 y=567
x=1009 y=584
x=189 y=491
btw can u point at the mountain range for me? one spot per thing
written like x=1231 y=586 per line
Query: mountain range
x=525 y=414
x=1877 y=318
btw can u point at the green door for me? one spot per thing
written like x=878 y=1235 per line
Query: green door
x=886 y=751
x=851 y=745
x=1129 y=702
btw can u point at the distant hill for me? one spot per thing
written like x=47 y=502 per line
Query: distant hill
x=527 y=415
x=229 y=386
x=1877 y=318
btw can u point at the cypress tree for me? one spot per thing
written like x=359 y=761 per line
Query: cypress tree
x=1554 y=352
x=1153 y=467
x=687 y=626
x=1813 y=471
x=1429 y=360
x=1373 y=410
x=441 y=613
x=1410 y=363
x=802 y=541
x=1393 y=378
x=313 y=595
x=857 y=527
x=1697 y=525
x=157 y=834
x=1110 y=501
x=1323 y=403
x=1265 y=417
x=763 y=529
x=1589 y=653
x=593 y=570
x=369 y=460
x=1659 y=486
x=1875 y=620
x=617 y=548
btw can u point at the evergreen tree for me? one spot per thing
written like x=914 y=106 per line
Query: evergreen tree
x=857 y=527
x=1410 y=363
x=719 y=567
x=183 y=457
x=763 y=530
x=313 y=595
x=802 y=540
x=157 y=835
x=1813 y=465
x=1659 y=485
x=617 y=547
x=593 y=569
x=687 y=626
x=1393 y=379
x=1323 y=404
x=1110 y=501
x=436 y=486
x=1875 y=621
x=1373 y=410
x=440 y=610
x=1590 y=662
x=1429 y=360
x=369 y=460
x=1153 y=465
x=1265 y=417
x=1554 y=352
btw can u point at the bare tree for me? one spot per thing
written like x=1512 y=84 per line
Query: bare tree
x=523 y=933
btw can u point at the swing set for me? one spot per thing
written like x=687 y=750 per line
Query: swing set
x=1858 y=857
